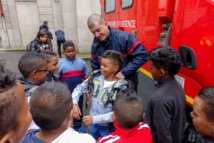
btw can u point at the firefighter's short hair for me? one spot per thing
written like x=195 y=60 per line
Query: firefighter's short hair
x=94 y=19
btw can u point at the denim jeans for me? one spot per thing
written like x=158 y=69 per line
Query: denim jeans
x=98 y=131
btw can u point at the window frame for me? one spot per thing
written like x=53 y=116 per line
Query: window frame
x=111 y=10
x=127 y=7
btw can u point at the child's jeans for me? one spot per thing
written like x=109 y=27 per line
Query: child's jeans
x=98 y=131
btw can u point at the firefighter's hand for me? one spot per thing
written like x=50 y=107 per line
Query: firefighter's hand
x=120 y=75
x=87 y=120
x=76 y=111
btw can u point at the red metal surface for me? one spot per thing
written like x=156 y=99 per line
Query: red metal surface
x=192 y=26
x=197 y=32
x=1 y=10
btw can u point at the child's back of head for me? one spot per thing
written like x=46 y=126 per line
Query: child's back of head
x=128 y=109
x=128 y=113
x=166 y=58
x=50 y=104
x=14 y=115
x=51 y=107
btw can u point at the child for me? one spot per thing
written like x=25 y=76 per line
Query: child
x=165 y=112
x=203 y=113
x=15 y=117
x=51 y=108
x=52 y=65
x=129 y=128
x=72 y=71
x=99 y=116
x=33 y=67
x=41 y=42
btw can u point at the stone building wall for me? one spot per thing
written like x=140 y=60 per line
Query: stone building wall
x=22 y=19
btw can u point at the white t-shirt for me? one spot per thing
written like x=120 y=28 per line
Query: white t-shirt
x=108 y=83
x=72 y=136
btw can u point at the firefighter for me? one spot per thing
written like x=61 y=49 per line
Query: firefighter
x=105 y=38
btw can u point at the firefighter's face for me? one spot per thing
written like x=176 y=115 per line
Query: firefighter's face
x=199 y=118
x=100 y=31
x=108 y=69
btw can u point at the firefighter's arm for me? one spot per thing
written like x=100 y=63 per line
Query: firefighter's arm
x=102 y=118
x=137 y=52
x=120 y=75
x=94 y=63
x=162 y=121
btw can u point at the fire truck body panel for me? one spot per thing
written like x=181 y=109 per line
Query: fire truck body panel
x=186 y=25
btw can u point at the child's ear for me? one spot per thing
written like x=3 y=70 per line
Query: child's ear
x=70 y=114
x=113 y=117
x=33 y=74
x=163 y=73
x=213 y=127
x=7 y=138
x=144 y=114
x=116 y=67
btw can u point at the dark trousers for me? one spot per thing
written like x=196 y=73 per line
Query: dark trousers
x=78 y=123
x=59 y=42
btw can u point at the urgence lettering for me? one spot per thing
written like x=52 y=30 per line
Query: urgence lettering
x=124 y=23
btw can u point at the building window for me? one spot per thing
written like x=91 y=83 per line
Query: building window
x=127 y=4
x=109 y=6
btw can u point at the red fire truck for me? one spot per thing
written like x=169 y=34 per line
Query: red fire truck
x=186 y=25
